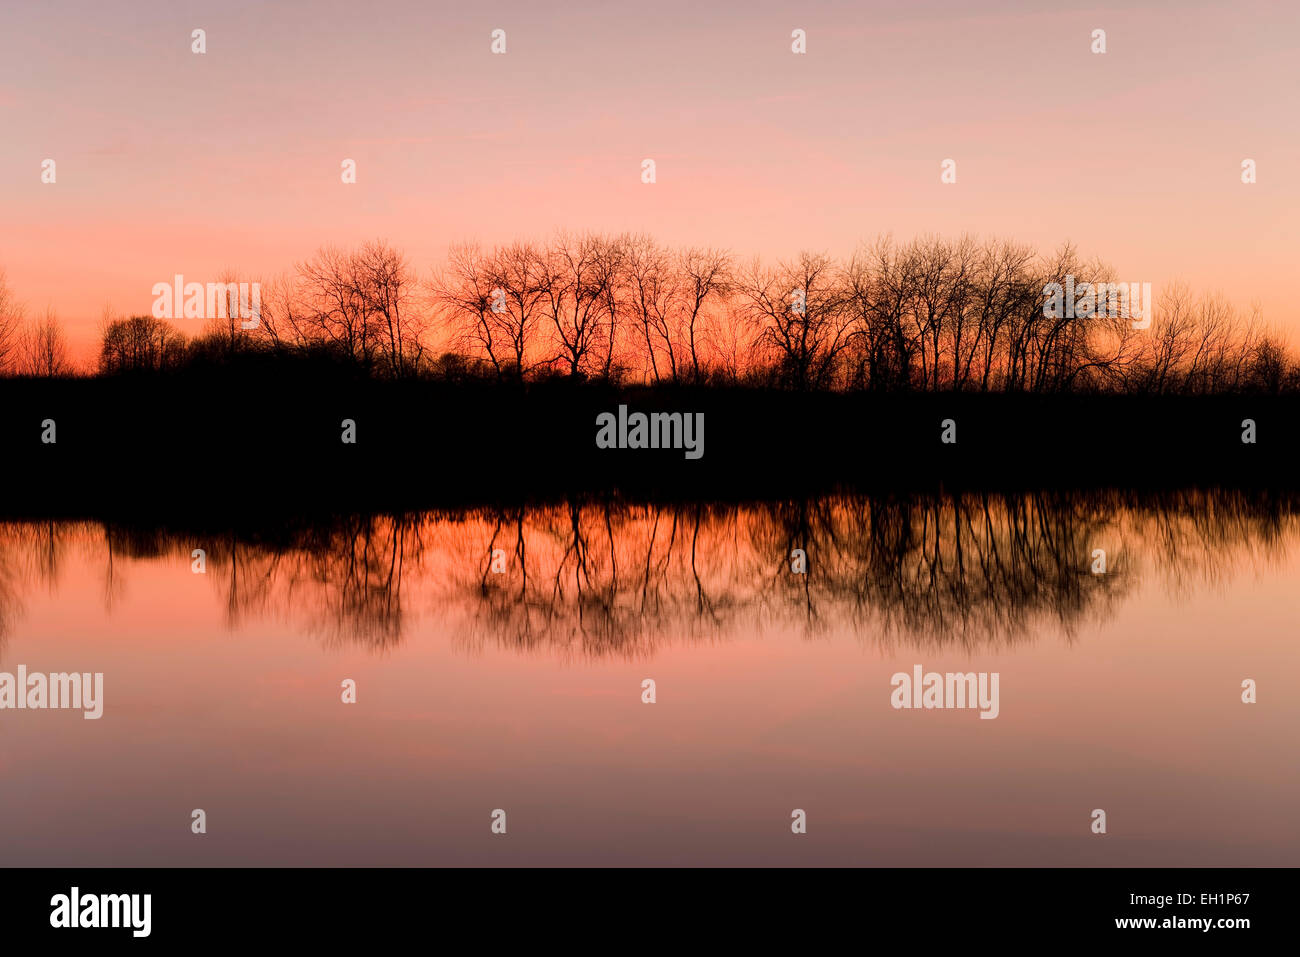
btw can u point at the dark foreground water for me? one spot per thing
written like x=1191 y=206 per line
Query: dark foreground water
x=521 y=690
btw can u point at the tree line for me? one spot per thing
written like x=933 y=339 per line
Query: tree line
x=931 y=314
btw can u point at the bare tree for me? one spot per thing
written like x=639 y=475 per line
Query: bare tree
x=281 y=325
x=802 y=308
x=878 y=285
x=519 y=273
x=224 y=331
x=610 y=256
x=497 y=301
x=44 y=347
x=11 y=320
x=466 y=288
x=652 y=290
x=334 y=308
x=387 y=290
x=576 y=276
x=705 y=278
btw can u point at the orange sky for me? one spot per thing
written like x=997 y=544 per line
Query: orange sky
x=171 y=162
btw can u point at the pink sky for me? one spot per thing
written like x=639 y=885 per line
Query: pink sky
x=171 y=162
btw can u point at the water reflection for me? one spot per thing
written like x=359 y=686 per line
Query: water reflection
x=613 y=578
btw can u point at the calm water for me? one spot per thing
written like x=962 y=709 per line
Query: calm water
x=522 y=690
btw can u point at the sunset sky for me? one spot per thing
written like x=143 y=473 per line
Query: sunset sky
x=172 y=162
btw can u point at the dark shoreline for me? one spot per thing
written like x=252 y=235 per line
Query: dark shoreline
x=222 y=445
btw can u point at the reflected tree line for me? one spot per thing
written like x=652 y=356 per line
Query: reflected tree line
x=597 y=578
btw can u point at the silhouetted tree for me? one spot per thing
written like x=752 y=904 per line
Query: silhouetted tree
x=43 y=348
x=140 y=344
